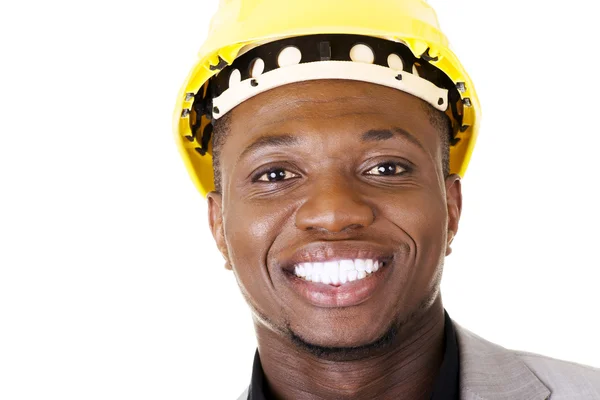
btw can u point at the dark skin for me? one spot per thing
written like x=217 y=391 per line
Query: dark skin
x=330 y=186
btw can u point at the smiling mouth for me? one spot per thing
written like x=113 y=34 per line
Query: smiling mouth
x=337 y=273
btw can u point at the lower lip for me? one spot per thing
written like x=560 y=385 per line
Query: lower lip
x=346 y=295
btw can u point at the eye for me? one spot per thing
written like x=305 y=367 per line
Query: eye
x=387 y=169
x=276 y=175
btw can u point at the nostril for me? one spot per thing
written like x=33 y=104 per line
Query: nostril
x=353 y=226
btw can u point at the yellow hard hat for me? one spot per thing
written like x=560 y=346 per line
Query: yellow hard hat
x=242 y=26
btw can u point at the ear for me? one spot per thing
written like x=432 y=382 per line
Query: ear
x=215 y=220
x=454 y=204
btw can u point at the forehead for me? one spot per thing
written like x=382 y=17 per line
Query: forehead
x=325 y=106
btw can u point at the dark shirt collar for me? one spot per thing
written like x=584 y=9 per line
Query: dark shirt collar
x=445 y=386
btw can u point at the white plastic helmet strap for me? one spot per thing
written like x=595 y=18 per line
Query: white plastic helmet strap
x=239 y=92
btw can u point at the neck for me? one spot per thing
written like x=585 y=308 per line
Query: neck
x=407 y=369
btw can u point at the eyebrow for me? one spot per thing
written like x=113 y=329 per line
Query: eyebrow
x=376 y=135
x=282 y=140
x=286 y=140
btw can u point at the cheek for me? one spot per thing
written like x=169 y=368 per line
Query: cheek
x=423 y=218
x=250 y=232
x=251 y=229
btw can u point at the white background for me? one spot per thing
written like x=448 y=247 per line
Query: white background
x=110 y=285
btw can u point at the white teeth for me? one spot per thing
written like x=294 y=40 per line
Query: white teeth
x=343 y=275
x=352 y=275
x=317 y=272
x=347 y=265
x=369 y=266
x=337 y=272
x=308 y=268
x=332 y=272
x=316 y=278
x=360 y=265
x=301 y=271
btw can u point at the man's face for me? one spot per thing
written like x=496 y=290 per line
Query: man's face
x=326 y=171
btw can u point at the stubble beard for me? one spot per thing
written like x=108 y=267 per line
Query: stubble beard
x=393 y=335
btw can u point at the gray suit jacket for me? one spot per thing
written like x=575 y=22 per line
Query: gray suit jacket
x=491 y=372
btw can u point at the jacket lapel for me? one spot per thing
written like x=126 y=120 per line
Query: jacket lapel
x=491 y=372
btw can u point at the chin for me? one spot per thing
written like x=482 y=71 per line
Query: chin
x=344 y=347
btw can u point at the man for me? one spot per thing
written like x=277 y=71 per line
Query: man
x=330 y=138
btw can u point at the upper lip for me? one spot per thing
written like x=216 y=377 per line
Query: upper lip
x=332 y=251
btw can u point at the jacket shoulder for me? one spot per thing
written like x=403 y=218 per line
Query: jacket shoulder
x=492 y=372
x=566 y=380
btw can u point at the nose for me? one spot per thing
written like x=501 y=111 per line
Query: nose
x=334 y=208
